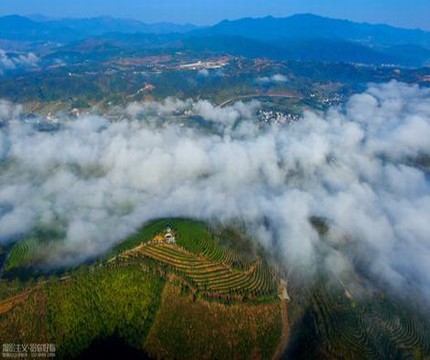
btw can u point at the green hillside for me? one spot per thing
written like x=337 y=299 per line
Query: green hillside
x=132 y=294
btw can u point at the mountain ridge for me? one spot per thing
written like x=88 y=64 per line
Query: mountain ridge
x=303 y=26
x=303 y=37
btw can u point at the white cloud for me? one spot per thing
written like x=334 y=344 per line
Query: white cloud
x=203 y=72
x=15 y=61
x=350 y=166
x=276 y=78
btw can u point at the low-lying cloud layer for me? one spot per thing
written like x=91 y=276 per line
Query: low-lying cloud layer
x=16 y=61
x=276 y=78
x=350 y=166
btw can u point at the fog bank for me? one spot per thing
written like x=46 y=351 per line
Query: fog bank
x=97 y=181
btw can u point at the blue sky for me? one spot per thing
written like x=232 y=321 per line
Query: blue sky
x=405 y=13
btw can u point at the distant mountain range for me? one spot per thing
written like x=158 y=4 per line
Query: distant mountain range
x=105 y=24
x=299 y=37
x=39 y=28
x=316 y=38
x=307 y=26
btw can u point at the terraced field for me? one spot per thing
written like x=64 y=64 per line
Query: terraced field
x=335 y=326
x=204 y=264
x=195 y=237
x=22 y=254
x=208 y=276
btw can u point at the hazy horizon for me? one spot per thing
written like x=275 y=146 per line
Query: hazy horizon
x=396 y=13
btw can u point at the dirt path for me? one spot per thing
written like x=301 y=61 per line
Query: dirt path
x=285 y=334
x=9 y=303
